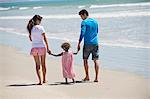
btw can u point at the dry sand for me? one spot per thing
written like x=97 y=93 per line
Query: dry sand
x=18 y=79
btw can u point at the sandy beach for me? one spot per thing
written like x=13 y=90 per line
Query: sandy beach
x=18 y=79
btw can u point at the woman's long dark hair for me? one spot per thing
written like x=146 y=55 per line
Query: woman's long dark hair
x=32 y=22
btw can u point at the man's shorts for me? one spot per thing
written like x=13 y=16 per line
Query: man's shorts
x=91 y=49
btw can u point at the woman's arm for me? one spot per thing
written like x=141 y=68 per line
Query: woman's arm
x=46 y=42
x=57 y=54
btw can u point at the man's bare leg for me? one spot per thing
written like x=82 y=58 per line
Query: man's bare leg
x=96 y=69
x=86 y=67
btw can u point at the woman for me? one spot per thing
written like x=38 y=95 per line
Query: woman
x=37 y=37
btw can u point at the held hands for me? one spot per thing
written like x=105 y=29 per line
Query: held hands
x=78 y=49
x=50 y=53
x=76 y=53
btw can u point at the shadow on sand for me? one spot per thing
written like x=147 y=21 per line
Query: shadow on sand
x=53 y=84
x=20 y=85
x=69 y=83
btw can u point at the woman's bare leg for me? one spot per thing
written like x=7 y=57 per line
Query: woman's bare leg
x=43 y=57
x=37 y=62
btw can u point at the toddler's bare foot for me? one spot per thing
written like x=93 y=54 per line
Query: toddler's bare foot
x=73 y=81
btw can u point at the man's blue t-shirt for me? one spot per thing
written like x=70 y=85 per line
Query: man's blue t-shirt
x=89 y=31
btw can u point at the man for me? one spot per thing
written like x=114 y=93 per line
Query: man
x=89 y=31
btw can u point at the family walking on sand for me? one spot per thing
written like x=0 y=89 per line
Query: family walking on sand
x=89 y=32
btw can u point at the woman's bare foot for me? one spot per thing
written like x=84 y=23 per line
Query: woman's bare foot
x=39 y=83
x=45 y=81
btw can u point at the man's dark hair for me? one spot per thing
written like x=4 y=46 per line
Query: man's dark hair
x=83 y=11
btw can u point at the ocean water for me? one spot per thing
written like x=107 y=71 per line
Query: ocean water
x=124 y=29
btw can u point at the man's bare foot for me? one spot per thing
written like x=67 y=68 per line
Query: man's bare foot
x=86 y=79
x=96 y=80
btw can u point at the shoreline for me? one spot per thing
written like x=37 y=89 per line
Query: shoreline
x=51 y=58
x=17 y=78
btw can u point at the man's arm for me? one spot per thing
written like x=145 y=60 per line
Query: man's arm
x=30 y=37
x=83 y=30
